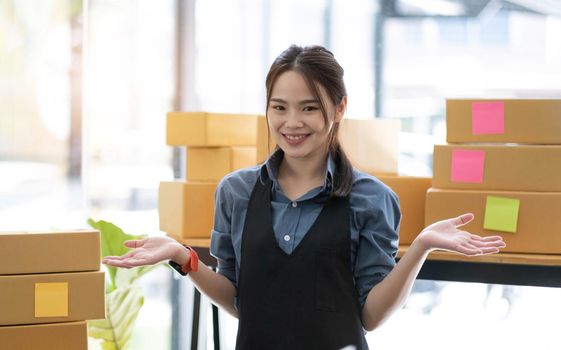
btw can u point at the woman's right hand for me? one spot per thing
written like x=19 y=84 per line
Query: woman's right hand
x=149 y=251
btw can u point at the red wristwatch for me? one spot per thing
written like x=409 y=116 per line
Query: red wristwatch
x=192 y=265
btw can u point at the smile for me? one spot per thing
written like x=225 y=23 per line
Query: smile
x=295 y=139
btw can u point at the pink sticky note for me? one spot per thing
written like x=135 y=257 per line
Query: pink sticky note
x=487 y=118
x=467 y=165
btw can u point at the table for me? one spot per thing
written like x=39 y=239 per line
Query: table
x=540 y=270
x=201 y=246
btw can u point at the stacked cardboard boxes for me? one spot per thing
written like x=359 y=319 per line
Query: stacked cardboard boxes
x=216 y=144
x=502 y=163
x=372 y=146
x=412 y=192
x=50 y=283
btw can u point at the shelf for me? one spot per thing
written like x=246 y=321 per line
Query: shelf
x=499 y=258
x=502 y=268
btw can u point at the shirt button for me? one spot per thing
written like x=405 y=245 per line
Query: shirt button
x=287 y=238
x=294 y=204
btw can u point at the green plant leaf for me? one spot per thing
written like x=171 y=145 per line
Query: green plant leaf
x=108 y=346
x=112 y=244
x=123 y=298
x=122 y=307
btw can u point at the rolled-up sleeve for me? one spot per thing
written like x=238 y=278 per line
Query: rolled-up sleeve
x=221 y=246
x=377 y=217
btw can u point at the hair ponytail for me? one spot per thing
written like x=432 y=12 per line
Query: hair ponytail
x=343 y=174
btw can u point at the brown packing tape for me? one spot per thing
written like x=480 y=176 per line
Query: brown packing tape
x=86 y=297
x=538 y=221
x=510 y=168
x=47 y=252
x=186 y=209
x=53 y=336
x=412 y=193
x=532 y=121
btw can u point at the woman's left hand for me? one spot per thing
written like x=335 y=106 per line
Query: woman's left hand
x=446 y=235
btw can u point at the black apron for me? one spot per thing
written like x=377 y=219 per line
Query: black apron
x=305 y=300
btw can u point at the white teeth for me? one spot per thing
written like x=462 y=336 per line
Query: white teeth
x=295 y=138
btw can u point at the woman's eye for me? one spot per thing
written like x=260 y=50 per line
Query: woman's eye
x=278 y=108
x=310 y=108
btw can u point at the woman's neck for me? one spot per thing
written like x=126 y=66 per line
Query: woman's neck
x=297 y=176
x=303 y=169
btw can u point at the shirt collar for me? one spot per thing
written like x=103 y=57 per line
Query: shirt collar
x=270 y=170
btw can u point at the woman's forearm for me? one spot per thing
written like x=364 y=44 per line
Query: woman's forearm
x=391 y=293
x=217 y=287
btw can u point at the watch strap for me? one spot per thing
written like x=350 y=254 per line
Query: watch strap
x=192 y=265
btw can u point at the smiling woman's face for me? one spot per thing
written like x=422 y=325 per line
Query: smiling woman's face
x=295 y=117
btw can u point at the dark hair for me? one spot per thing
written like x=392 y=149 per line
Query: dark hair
x=319 y=68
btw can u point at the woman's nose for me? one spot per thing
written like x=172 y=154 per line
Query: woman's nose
x=294 y=120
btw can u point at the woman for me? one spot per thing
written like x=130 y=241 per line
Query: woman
x=305 y=243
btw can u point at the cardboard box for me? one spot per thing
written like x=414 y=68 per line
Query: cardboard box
x=51 y=298
x=535 y=215
x=498 y=167
x=53 y=336
x=371 y=144
x=44 y=252
x=412 y=193
x=213 y=163
x=186 y=209
x=265 y=142
x=529 y=121
x=210 y=129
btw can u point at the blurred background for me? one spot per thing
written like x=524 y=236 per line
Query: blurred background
x=85 y=87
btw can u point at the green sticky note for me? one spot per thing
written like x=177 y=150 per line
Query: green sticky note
x=501 y=214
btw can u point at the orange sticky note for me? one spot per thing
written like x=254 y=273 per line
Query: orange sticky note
x=51 y=299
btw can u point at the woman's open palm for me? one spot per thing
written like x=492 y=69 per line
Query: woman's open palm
x=148 y=251
x=446 y=235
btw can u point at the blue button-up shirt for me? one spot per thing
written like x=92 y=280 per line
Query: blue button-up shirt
x=375 y=218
